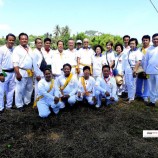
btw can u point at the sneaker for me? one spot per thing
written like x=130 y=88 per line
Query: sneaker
x=130 y=101
x=151 y=104
x=21 y=109
x=97 y=106
x=9 y=109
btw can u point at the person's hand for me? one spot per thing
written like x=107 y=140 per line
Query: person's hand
x=2 y=78
x=112 y=98
x=79 y=94
x=66 y=96
x=87 y=94
x=134 y=74
x=77 y=70
x=56 y=100
x=38 y=78
x=144 y=74
x=18 y=77
x=94 y=99
x=107 y=94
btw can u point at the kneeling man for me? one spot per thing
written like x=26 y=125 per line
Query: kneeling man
x=68 y=85
x=48 y=95
x=106 y=87
x=86 y=87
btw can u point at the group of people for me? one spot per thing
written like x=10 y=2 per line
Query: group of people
x=60 y=77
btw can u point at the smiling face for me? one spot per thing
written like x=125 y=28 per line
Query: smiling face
x=60 y=46
x=85 y=43
x=106 y=72
x=38 y=44
x=98 y=51
x=86 y=73
x=47 y=45
x=108 y=47
x=48 y=75
x=118 y=50
x=10 y=41
x=67 y=70
x=155 y=41
x=126 y=40
x=132 y=45
x=145 y=42
x=71 y=44
x=23 y=40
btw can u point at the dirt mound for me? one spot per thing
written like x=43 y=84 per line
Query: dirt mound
x=81 y=131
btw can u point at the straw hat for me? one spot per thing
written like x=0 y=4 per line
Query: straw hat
x=119 y=80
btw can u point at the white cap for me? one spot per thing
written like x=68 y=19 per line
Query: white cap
x=79 y=41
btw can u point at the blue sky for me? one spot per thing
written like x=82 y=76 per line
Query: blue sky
x=118 y=17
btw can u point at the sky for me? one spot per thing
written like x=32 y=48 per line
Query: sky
x=118 y=17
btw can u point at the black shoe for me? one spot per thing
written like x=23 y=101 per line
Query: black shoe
x=124 y=95
x=125 y=99
x=21 y=109
x=139 y=98
x=151 y=104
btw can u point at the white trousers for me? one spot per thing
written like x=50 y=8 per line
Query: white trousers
x=23 y=91
x=71 y=100
x=131 y=86
x=44 y=108
x=99 y=95
x=88 y=98
x=7 y=88
x=153 y=88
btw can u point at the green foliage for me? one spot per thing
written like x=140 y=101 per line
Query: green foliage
x=63 y=33
x=2 y=41
x=81 y=36
x=102 y=39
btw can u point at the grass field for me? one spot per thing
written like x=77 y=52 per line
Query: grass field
x=80 y=132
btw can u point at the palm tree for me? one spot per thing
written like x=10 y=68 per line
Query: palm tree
x=57 y=31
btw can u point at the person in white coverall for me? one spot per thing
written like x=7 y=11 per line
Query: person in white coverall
x=7 y=75
x=48 y=95
x=23 y=66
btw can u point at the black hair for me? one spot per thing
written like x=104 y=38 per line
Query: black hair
x=109 y=42
x=71 y=39
x=154 y=35
x=67 y=65
x=37 y=39
x=133 y=39
x=10 y=34
x=47 y=68
x=86 y=68
x=106 y=66
x=47 y=39
x=60 y=41
x=23 y=34
x=146 y=37
x=118 y=44
x=126 y=36
x=99 y=47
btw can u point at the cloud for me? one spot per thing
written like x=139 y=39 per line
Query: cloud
x=4 y=27
x=1 y=3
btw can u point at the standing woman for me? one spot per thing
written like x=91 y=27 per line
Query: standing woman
x=131 y=62
x=118 y=69
x=109 y=56
x=98 y=61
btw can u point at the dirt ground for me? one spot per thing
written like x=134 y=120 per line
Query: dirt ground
x=80 y=132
